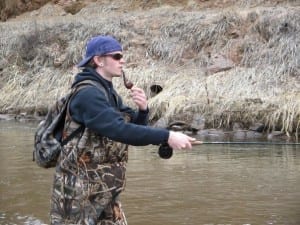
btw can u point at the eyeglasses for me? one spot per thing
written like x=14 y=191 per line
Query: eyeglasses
x=116 y=56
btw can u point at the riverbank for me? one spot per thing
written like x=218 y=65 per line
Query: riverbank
x=254 y=134
x=231 y=66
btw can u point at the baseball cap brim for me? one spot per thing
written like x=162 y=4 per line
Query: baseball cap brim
x=99 y=45
x=84 y=61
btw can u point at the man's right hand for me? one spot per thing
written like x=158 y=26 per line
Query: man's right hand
x=178 y=140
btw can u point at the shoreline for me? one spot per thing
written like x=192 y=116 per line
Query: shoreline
x=207 y=134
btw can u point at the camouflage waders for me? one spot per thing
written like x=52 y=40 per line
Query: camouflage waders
x=90 y=175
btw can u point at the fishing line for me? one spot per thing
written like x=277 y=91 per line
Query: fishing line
x=165 y=151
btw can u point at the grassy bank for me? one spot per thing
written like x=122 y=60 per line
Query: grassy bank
x=227 y=66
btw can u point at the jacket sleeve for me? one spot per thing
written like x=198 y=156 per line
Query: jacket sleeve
x=91 y=108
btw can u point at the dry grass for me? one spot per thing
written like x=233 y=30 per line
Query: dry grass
x=171 y=47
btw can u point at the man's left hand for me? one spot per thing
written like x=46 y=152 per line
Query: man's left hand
x=139 y=98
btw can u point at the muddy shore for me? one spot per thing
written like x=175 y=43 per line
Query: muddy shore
x=208 y=135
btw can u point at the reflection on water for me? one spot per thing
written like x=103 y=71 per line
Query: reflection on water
x=212 y=184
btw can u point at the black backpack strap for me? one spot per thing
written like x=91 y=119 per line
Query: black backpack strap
x=86 y=83
x=77 y=88
x=72 y=135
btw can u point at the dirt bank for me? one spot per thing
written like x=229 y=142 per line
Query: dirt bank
x=220 y=64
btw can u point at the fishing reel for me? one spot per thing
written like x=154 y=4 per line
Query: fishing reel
x=165 y=151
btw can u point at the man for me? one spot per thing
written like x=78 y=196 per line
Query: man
x=90 y=173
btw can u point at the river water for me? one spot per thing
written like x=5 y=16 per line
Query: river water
x=209 y=185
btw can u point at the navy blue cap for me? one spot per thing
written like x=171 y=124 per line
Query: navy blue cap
x=99 y=45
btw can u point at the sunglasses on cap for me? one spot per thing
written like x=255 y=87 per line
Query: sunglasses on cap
x=116 y=56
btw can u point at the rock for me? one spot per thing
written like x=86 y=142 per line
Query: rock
x=198 y=122
x=3 y=63
x=237 y=126
x=6 y=117
x=253 y=135
x=219 y=63
x=239 y=134
x=216 y=134
x=202 y=133
x=275 y=134
x=254 y=100
x=258 y=127
x=155 y=89
x=178 y=126
x=161 y=123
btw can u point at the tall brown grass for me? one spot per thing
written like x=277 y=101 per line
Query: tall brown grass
x=170 y=47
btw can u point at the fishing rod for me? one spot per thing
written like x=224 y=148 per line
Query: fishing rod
x=243 y=143
x=165 y=151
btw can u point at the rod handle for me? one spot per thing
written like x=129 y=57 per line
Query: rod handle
x=196 y=142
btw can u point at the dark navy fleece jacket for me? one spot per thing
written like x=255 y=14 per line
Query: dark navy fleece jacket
x=91 y=108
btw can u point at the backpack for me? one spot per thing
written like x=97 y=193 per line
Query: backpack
x=48 y=141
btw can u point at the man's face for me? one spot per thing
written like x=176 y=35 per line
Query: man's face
x=113 y=64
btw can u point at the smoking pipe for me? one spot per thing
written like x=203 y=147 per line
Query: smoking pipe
x=127 y=83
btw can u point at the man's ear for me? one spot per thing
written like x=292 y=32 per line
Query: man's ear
x=98 y=60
